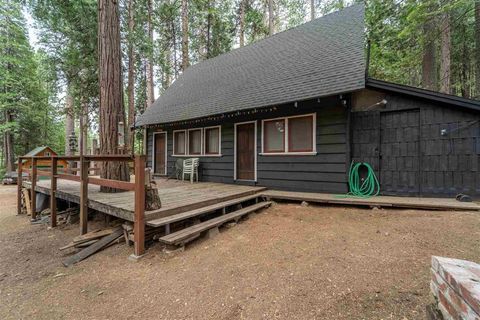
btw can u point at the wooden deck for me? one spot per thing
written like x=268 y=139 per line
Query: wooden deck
x=176 y=197
x=379 y=201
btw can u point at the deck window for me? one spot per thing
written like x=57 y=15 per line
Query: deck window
x=289 y=135
x=212 y=140
x=179 y=142
x=274 y=136
x=195 y=141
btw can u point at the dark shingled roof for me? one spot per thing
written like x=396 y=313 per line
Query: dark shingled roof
x=316 y=59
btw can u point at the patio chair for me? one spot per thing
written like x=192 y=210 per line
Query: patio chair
x=190 y=167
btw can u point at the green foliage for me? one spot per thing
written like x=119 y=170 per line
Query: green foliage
x=23 y=93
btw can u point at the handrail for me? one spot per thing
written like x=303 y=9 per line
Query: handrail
x=116 y=184
x=138 y=187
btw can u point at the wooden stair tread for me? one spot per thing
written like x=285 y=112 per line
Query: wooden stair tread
x=179 y=236
x=196 y=212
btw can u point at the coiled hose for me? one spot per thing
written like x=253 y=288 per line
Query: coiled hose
x=364 y=189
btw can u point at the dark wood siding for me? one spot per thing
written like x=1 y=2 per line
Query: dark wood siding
x=324 y=172
x=448 y=164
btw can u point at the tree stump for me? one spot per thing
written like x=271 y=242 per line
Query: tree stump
x=152 y=199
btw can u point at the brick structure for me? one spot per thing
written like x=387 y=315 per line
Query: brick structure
x=455 y=285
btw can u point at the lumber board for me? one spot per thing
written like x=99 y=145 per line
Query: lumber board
x=93 y=235
x=97 y=246
x=197 y=212
x=182 y=235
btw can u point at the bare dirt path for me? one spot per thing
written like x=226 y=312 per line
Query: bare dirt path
x=288 y=262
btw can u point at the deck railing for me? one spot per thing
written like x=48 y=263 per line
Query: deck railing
x=138 y=187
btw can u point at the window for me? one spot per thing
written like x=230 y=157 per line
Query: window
x=274 y=136
x=179 y=142
x=300 y=134
x=195 y=141
x=212 y=140
x=294 y=135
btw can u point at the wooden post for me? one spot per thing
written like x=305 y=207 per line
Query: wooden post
x=139 y=218
x=83 y=195
x=53 y=192
x=19 y=186
x=33 y=194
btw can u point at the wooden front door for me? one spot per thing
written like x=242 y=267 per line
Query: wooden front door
x=400 y=152
x=160 y=141
x=245 y=146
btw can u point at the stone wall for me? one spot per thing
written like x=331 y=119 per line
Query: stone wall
x=455 y=286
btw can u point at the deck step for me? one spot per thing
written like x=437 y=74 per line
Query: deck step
x=196 y=212
x=183 y=235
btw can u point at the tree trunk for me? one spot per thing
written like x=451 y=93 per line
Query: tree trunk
x=69 y=122
x=270 y=17
x=429 y=71
x=131 y=76
x=312 y=9
x=9 y=156
x=84 y=128
x=209 y=28
x=149 y=64
x=242 y=23
x=445 y=55
x=111 y=89
x=477 y=49
x=185 y=60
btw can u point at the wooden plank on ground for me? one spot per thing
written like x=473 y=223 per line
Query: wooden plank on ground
x=97 y=246
x=93 y=235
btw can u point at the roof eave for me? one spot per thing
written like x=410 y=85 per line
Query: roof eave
x=424 y=94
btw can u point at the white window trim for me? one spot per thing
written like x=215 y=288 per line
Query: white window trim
x=235 y=151
x=185 y=143
x=202 y=147
x=219 y=141
x=153 y=151
x=285 y=138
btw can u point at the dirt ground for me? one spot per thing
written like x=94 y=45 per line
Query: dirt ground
x=287 y=262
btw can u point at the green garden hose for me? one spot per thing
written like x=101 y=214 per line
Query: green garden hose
x=364 y=189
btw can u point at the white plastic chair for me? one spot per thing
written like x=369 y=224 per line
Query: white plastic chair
x=190 y=167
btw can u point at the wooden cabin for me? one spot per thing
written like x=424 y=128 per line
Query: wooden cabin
x=43 y=151
x=292 y=111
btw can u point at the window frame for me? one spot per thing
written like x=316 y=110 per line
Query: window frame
x=175 y=143
x=202 y=141
x=265 y=137
x=287 y=136
x=219 y=141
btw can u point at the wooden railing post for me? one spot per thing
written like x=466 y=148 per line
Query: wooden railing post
x=34 y=184
x=83 y=195
x=53 y=192
x=19 y=186
x=139 y=217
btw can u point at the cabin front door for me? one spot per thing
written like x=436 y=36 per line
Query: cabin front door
x=245 y=146
x=160 y=154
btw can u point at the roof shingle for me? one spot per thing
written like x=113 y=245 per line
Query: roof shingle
x=316 y=59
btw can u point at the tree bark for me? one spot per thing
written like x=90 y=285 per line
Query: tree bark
x=185 y=59
x=69 y=122
x=270 y=17
x=111 y=89
x=209 y=28
x=312 y=9
x=149 y=64
x=477 y=49
x=9 y=157
x=429 y=70
x=445 y=55
x=131 y=75
x=242 y=23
